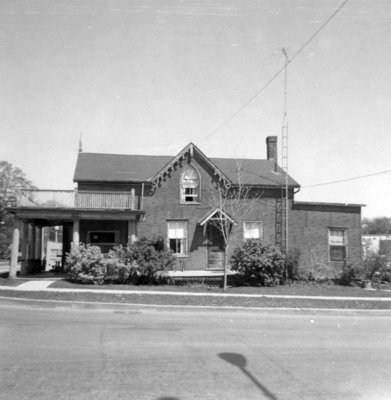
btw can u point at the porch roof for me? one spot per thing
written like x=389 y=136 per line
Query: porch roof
x=210 y=215
x=67 y=214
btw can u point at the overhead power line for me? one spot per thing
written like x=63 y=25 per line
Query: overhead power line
x=267 y=84
x=349 y=179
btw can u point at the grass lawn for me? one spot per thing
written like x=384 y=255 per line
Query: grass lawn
x=130 y=296
x=4 y=281
x=285 y=290
x=203 y=301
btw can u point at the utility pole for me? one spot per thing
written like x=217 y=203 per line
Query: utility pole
x=284 y=155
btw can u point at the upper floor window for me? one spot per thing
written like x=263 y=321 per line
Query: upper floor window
x=338 y=242
x=252 y=230
x=190 y=186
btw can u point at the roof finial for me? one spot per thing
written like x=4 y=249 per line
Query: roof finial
x=80 y=144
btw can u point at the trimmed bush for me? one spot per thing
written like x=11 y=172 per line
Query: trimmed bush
x=258 y=263
x=144 y=262
x=85 y=264
x=350 y=275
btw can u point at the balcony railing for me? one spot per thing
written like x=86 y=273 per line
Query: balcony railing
x=78 y=199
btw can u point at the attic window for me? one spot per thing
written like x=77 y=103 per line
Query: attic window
x=190 y=186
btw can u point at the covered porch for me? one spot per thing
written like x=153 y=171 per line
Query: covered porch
x=72 y=211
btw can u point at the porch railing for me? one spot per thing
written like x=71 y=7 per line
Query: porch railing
x=78 y=199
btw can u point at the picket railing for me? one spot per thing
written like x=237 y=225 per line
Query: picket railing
x=77 y=199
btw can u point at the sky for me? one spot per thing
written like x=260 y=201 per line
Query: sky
x=148 y=77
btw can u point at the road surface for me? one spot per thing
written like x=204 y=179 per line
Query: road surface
x=161 y=354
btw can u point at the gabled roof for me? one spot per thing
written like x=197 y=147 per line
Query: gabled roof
x=254 y=172
x=117 y=168
x=210 y=215
x=190 y=150
x=97 y=167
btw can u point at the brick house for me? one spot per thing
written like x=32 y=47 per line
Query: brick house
x=119 y=198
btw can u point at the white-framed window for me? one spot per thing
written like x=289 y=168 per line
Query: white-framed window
x=177 y=237
x=190 y=186
x=338 y=244
x=252 y=230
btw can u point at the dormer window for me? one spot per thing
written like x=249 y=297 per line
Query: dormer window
x=190 y=186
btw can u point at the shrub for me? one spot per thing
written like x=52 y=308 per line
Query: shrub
x=258 y=264
x=292 y=264
x=377 y=267
x=314 y=266
x=84 y=264
x=350 y=276
x=143 y=262
x=147 y=260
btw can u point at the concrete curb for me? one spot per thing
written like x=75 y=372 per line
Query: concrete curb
x=134 y=308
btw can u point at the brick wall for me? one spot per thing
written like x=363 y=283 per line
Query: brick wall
x=308 y=230
x=164 y=204
x=308 y=222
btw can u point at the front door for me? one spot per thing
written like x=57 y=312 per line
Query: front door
x=215 y=248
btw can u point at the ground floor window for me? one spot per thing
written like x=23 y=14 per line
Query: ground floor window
x=177 y=237
x=103 y=237
x=338 y=242
x=252 y=230
x=106 y=240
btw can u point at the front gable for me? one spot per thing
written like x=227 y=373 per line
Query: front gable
x=188 y=180
x=185 y=156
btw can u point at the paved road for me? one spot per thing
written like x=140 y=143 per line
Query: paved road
x=179 y=355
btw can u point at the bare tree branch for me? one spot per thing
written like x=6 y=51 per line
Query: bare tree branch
x=232 y=204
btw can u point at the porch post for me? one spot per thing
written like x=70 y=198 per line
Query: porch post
x=32 y=249
x=32 y=243
x=76 y=234
x=38 y=248
x=25 y=240
x=132 y=232
x=15 y=251
x=133 y=196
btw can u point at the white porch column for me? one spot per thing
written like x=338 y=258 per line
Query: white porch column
x=76 y=233
x=25 y=245
x=14 y=252
x=132 y=232
x=32 y=243
x=38 y=245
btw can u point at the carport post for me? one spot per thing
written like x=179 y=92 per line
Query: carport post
x=76 y=235
x=32 y=249
x=132 y=232
x=38 y=243
x=14 y=253
x=25 y=247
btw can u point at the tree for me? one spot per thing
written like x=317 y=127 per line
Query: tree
x=12 y=181
x=232 y=202
x=378 y=225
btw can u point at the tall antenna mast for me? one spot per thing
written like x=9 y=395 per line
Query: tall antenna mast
x=284 y=153
x=80 y=144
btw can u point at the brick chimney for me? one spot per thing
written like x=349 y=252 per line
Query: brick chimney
x=271 y=147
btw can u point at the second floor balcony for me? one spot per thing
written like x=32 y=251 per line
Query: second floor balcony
x=74 y=199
